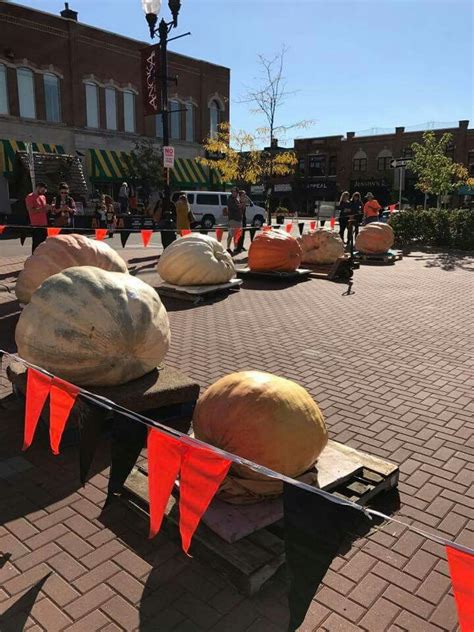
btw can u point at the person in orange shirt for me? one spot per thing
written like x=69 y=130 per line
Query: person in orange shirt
x=371 y=209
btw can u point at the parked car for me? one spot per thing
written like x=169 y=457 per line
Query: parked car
x=210 y=208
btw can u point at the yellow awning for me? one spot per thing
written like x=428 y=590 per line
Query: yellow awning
x=108 y=165
x=9 y=148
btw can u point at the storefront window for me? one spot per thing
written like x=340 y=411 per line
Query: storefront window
x=26 y=92
x=383 y=163
x=51 y=98
x=3 y=90
x=359 y=164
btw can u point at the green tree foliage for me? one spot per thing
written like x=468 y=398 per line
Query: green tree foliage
x=146 y=165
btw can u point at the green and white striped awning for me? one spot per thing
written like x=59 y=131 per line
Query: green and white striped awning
x=108 y=165
x=189 y=173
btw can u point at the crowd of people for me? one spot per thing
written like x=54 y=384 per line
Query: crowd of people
x=353 y=212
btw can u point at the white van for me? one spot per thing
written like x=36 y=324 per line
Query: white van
x=210 y=208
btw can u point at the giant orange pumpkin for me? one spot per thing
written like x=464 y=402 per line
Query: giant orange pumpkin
x=267 y=419
x=275 y=251
x=375 y=238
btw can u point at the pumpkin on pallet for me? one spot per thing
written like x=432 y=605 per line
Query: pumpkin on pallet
x=274 y=251
x=196 y=260
x=61 y=252
x=375 y=239
x=321 y=247
x=266 y=419
x=94 y=327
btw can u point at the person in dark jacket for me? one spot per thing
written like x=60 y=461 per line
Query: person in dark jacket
x=357 y=211
x=344 y=208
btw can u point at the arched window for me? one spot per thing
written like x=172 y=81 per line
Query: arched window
x=111 y=108
x=26 y=92
x=129 y=111
x=215 y=111
x=189 y=122
x=51 y=98
x=3 y=90
x=359 y=162
x=384 y=158
x=92 y=105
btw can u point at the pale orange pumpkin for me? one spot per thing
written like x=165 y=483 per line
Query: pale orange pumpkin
x=275 y=251
x=61 y=252
x=267 y=419
x=375 y=238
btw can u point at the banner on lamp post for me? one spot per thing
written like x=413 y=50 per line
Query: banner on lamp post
x=168 y=157
x=150 y=68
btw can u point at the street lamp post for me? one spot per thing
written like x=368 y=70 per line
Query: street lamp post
x=151 y=9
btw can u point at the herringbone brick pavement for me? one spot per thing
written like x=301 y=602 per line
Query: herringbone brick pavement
x=392 y=368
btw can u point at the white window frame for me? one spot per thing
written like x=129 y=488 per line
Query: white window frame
x=111 y=108
x=45 y=77
x=4 y=109
x=190 y=122
x=129 y=128
x=89 y=123
x=30 y=111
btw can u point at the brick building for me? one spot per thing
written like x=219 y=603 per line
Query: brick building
x=67 y=87
x=329 y=165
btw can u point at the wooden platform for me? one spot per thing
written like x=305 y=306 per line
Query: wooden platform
x=387 y=258
x=246 y=543
x=300 y=274
x=198 y=293
x=340 y=270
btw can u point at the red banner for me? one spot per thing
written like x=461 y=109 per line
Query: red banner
x=461 y=569
x=146 y=236
x=392 y=207
x=100 y=233
x=62 y=398
x=150 y=66
x=38 y=386
x=53 y=231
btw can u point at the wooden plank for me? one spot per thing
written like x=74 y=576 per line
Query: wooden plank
x=299 y=274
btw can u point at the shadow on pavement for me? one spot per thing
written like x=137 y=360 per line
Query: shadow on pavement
x=14 y=619
x=447 y=261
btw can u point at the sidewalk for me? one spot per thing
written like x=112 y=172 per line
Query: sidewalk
x=392 y=368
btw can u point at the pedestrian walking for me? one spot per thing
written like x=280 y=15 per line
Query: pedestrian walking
x=344 y=208
x=123 y=196
x=371 y=209
x=357 y=211
x=243 y=201
x=234 y=213
x=110 y=216
x=38 y=210
x=63 y=207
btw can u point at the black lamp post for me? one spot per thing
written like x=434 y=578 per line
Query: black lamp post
x=151 y=9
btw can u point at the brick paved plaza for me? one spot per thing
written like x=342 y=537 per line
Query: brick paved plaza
x=392 y=369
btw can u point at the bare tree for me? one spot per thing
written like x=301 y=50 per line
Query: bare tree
x=266 y=99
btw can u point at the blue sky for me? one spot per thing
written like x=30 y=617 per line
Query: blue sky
x=355 y=64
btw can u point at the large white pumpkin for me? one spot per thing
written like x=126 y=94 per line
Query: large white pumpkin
x=267 y=419
x=321 y=246
x=375 y=238
x=61 y=252
x=93 y=327
x=196 y=260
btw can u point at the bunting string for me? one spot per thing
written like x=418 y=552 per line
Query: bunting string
x=192 y=441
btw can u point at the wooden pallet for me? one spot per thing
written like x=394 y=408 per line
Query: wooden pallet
x=300 y=274
x=199 y=293
x=249 y=561
x=387 y=258
x=337 y=271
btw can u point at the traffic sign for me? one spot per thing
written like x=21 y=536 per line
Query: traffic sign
x=168 y=157
x=398 y=163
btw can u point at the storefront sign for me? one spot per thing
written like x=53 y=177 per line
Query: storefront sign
x=150 y=69
x=168 y=157
x=363 y=184
x=257 y=188
x=282 y=188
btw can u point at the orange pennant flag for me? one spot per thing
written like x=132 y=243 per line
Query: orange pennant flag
x=2 y=228
x=219 y=233
x=100 y=233
x=461 y=569
x=332 y=223
x=38 y=386
x=266 y=228
x=312 y=225
x=237 y=236
x=392 y=207
x=289 y=228
x=53 y=231
x=62 y=398
x=185 y=231
x=146 y=236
